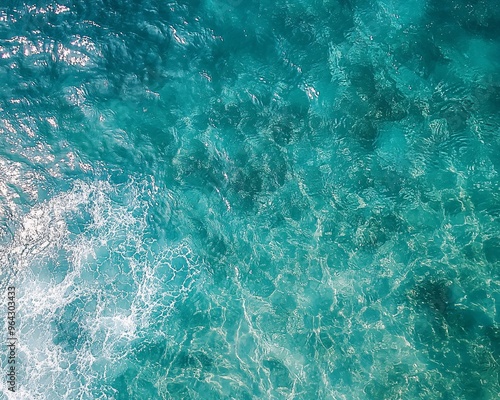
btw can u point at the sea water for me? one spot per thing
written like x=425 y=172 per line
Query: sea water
x=226 y=199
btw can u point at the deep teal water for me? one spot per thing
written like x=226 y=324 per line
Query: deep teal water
x=230 y=199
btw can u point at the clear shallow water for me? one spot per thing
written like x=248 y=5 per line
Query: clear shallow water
x=251 y=200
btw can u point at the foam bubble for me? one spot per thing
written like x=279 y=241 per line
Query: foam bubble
x=89 y=284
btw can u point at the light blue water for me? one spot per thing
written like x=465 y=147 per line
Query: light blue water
x=224 y=199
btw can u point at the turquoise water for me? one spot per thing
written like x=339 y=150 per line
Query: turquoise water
x=226 y=199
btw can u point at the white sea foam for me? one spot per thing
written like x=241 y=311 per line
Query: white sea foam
x=88 y=285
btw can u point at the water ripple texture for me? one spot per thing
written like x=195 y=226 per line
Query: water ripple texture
x=226 y=199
